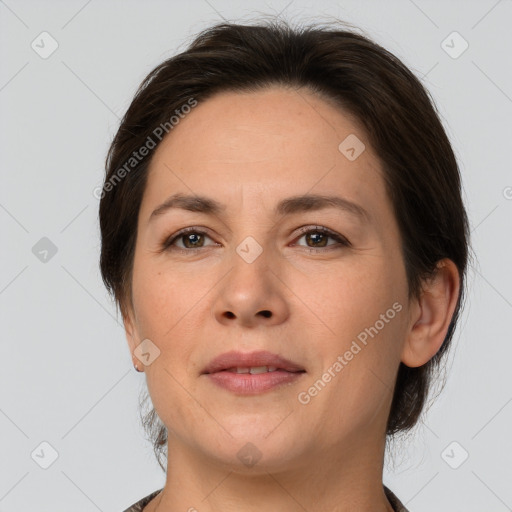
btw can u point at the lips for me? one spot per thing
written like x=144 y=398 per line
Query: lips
x=230 y=361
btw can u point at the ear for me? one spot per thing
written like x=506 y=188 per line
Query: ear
x=130 y=328
x=431 y=315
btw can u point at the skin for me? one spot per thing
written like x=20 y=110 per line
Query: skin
x=249 y=151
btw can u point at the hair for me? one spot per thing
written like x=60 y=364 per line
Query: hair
x=354 y=73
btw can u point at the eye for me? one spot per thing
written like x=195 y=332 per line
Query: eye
x=319 y=235
x=191 y=239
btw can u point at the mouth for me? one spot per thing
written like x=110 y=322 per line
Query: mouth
x=252 y=373
x=252 y=362
x=256 y=370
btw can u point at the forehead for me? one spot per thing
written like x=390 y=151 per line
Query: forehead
x=273 y=143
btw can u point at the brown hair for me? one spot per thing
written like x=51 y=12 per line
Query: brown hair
x=365 y=80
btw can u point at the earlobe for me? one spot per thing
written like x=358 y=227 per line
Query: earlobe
x=432 y=315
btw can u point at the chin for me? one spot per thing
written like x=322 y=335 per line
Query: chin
x=254 y=458
x=254 y=446
x=262 y=427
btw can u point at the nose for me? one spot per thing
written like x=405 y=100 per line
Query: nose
x=252 y=293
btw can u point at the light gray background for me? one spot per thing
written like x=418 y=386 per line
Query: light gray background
x=66 y=374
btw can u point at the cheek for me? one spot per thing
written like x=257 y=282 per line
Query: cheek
x=162 y=305
x=350 y=297
x=362 y=312
x=158 y=311
x=182 y=415
x=160 y=300
x=354 y=387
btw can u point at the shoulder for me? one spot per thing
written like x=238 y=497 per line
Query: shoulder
x=139 y=506
x=395 y=502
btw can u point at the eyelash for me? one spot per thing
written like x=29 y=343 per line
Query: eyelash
x=167 y=244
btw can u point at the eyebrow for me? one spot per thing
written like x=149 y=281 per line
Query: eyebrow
x=288 y=206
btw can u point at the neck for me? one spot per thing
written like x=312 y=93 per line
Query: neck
x=343 y=479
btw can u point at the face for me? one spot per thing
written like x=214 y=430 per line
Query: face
x=320 y=284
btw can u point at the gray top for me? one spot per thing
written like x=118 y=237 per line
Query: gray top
x=395 y=502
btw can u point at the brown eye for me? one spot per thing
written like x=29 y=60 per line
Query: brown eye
x=191 y=240
x=317 y=238
x=186 y=239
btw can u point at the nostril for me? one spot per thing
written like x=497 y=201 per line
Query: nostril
x=266 y=313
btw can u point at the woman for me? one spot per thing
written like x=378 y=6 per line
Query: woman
x=283 y=231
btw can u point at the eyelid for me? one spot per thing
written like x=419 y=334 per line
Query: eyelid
x=322 y=229
x=168 y=242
